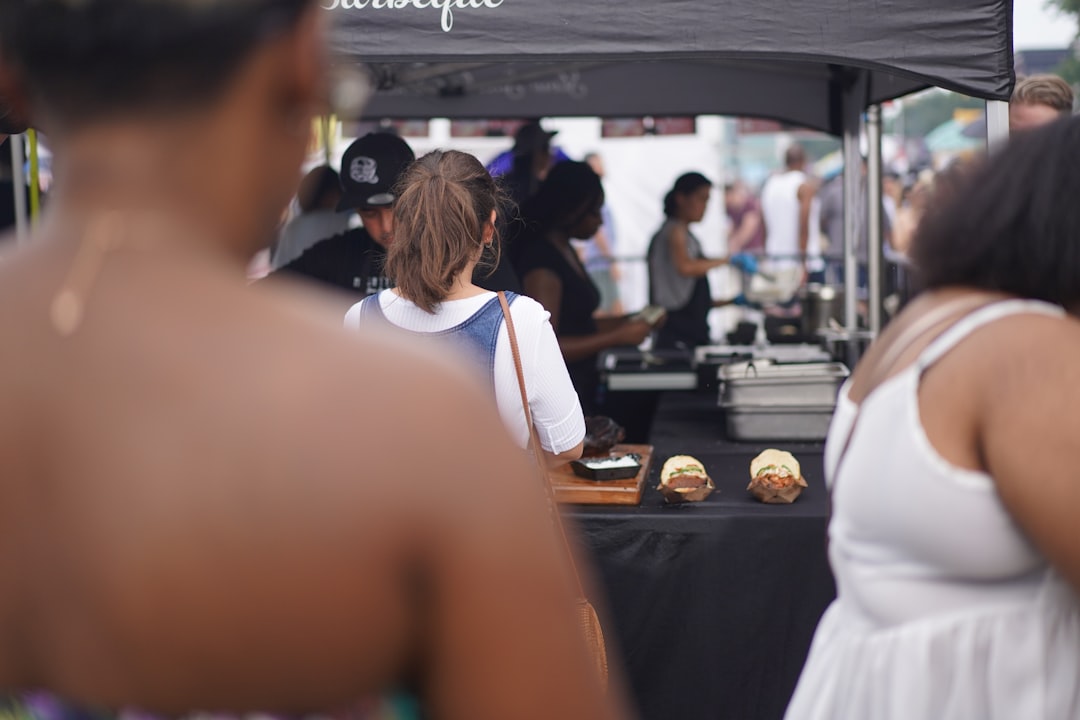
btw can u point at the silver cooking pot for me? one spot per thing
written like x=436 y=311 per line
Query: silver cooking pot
x=820 y=305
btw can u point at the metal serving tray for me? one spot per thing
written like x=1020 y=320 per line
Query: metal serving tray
x=632 y=369
x=757 y=384
x=721 y=354
x=778 y=422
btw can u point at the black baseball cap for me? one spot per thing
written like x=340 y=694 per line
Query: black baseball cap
x=370 y=168
x=531 y=137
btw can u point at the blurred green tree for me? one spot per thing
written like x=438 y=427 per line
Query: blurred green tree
x=926 y=110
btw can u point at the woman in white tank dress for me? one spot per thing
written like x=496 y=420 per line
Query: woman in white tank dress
x=951 y=457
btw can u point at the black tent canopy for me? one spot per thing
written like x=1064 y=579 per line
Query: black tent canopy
x=815 y=63
x=787 y=60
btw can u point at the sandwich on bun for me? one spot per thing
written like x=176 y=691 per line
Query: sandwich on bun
x=775 y=477
x=683 y=479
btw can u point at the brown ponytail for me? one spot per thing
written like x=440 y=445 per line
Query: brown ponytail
x=444 y=202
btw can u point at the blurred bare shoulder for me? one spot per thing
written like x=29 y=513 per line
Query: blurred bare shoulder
x=338 y=511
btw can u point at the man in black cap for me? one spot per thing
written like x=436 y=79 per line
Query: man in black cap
x=353 y=261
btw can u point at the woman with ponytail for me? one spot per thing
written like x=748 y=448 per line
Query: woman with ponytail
x=445 y=220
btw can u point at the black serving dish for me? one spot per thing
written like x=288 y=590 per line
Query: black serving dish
x=592 y=468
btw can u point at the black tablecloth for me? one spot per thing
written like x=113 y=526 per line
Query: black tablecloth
x=712 y=605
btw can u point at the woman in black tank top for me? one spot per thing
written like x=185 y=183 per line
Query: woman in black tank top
x=567 y=206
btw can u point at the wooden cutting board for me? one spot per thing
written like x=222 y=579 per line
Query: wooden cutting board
x=569 y=488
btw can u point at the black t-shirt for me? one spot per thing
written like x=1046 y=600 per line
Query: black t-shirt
x=579 y=299
x=351 y=261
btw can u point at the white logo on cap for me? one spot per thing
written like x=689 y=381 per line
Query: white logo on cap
x=364 y=170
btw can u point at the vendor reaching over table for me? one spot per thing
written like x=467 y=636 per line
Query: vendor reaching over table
x=567 y=206
x=678 y=269
x=209 y=500
x=445 y=228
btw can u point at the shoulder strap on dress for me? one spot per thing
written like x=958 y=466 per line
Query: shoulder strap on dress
x=978 y=313
x=921 y=326
x=967 y=305
x=979 y=318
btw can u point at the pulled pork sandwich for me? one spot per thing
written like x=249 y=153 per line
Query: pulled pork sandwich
x=683 y=479
x=775 y=477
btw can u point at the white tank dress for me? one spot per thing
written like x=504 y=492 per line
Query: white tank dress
x=944 y=609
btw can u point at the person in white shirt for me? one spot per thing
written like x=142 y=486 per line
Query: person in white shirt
x=791 y=212
x=445 y=219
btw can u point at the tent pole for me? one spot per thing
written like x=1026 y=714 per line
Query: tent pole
x=18 y=179
x=997 y=122
x=873 y=206
x=852 y=171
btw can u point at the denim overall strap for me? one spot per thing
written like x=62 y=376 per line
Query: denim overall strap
x=481 y=331
x=370 y=309
x=479 y=334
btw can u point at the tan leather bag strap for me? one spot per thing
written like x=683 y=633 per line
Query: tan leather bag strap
x=534 y=442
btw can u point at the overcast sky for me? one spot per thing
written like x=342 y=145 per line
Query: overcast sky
x=1036 y=27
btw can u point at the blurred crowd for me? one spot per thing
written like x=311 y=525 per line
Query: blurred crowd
x=799 y=217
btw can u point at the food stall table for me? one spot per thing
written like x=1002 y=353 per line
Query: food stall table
x=711 y=605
